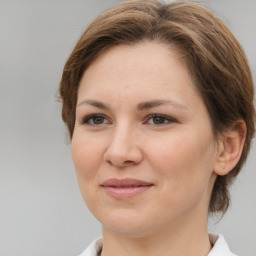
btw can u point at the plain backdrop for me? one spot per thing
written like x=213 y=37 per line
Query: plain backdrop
x=41 y=210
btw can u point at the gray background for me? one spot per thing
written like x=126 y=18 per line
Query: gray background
x=41 y=210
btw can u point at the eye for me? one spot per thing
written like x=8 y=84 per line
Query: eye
x=95 y=119
x=159 y=119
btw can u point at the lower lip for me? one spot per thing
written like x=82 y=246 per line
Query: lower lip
x=127 y=192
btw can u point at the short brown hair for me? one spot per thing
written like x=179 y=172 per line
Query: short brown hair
x=212 y=54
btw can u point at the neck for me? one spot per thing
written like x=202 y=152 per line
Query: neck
x=181 y=239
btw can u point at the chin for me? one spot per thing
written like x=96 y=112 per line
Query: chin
x=126 y=224
x=126 y=230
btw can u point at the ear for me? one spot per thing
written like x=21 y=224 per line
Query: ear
x=230 y=147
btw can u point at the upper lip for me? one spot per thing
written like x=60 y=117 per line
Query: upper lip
x=122 y=183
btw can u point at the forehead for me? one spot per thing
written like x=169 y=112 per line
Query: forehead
x=145 y=65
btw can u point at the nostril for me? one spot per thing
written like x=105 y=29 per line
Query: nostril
x=109 y=162
x=121 y=164
x=128 y=162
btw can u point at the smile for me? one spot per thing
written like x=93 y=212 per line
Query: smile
x=125 y=188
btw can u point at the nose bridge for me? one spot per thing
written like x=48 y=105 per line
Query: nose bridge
x=122 y=139
x=123 y=148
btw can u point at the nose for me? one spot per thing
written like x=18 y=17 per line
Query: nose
x=123 y=149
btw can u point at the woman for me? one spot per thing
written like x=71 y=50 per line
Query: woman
x=158 y=101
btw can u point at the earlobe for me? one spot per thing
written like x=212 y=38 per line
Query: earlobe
x=230 y=147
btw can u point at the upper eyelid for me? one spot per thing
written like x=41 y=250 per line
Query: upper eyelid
x=162 y=115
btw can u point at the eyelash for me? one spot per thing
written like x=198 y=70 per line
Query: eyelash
x=86 y=120
x=163 y=117
x=166 y=119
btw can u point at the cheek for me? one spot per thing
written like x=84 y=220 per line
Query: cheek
x=86 y=157
x=183 y=163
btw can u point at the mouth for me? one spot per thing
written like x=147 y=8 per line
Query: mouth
x=125 y=188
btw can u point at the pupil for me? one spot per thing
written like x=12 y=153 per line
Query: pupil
x=98 y=120
x=158 y=120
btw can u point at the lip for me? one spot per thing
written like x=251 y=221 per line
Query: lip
x=125 y=188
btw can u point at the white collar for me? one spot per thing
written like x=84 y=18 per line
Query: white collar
x=220 y=247
x=93 y=248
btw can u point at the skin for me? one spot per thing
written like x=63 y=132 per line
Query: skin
x=177 y=154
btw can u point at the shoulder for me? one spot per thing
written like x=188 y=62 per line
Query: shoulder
x=220 y=246
x=93 y=248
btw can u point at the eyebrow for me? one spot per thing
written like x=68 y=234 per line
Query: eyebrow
x=141 y=106
x=94 y=103
x=156 y=103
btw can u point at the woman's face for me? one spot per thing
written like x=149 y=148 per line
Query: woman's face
x=142 y=147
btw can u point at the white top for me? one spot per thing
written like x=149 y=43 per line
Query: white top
x=220 y=247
